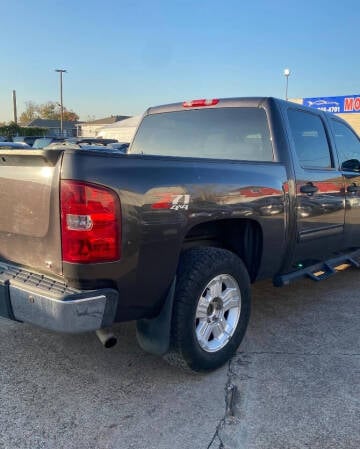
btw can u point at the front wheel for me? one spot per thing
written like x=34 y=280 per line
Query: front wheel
x=211 y=309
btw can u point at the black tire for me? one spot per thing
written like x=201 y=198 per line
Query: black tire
x=197 y=268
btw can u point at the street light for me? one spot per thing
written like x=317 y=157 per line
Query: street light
x=286 y=74
x=61 y=71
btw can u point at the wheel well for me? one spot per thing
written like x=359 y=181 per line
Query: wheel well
x=241 y=236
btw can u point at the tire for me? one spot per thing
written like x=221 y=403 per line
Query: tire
x=211 y=309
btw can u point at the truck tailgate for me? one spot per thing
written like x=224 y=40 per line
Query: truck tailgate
x=29 y=215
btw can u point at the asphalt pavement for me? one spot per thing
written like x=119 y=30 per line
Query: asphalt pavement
x=294 y=384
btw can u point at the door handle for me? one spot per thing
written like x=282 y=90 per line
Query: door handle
x=309 y=188
x=353 y=188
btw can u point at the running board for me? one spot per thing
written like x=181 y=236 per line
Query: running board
x=322 y=270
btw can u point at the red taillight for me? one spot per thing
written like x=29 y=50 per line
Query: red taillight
x=199 y=103
x=90 y=223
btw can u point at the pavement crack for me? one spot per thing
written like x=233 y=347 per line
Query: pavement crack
x=230 y=397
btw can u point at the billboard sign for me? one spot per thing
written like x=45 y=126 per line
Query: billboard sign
x=336 y=105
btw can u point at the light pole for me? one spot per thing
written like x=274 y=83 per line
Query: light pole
x=61 y=71
x=286 y=74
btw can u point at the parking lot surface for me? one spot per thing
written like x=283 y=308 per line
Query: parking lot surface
x=294 y=384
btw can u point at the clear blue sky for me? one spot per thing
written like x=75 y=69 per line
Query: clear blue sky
x=123 y=56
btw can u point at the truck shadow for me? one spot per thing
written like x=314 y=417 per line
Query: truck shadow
x=70 y=387
x=302 y=317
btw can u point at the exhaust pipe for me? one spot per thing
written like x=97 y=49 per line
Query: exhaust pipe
x=106 y=338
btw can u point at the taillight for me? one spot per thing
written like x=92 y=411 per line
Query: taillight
x=199 y=103
x=90 y=223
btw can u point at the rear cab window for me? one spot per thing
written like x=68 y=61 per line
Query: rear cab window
x=217 y=133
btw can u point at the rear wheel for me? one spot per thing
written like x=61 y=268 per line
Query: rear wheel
x=211 y=309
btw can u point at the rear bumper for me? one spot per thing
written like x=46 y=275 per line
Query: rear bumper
x=49 y=303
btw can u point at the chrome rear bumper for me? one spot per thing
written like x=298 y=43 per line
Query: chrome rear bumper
x=49 y=303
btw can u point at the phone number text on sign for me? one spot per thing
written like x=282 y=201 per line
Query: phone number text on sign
x=330 y=109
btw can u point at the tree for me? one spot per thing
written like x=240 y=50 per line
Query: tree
x=71 y=116
x=30 y=113
x=49 y=110
x=13 y=129
x=52 y=111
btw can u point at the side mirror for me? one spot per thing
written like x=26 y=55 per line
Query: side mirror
x=351 y=165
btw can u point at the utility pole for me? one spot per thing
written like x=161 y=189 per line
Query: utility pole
x=61 y=71
x=15 y=107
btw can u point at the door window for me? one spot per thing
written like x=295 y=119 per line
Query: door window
x=311 y=144
x=347 y=144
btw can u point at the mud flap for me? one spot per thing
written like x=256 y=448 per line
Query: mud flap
x=154 y=335
x=5 y=305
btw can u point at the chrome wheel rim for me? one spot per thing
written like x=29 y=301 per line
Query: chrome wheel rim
x=217 y=313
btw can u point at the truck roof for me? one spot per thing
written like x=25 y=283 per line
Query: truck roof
x=221 y=102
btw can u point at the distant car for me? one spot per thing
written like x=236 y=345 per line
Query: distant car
x=27 y=139
x=2 y=139
x=121 y=146
x=14 y=145
x=95 y=147
x=91 y=140
x=85 y=146
x=45 y=141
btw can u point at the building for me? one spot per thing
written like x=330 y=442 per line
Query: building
x=53 y=127
x=123 y=130
x=90 y=129
x=347 y=107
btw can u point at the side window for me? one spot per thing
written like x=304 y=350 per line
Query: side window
x=347 y=143
x=310 y=139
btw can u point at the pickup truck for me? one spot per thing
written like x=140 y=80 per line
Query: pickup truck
x=212 y=196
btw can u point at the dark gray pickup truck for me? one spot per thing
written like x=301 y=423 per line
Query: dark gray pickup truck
x=212 y=196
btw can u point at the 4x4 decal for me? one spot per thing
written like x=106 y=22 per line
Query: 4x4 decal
x=172 y=201
x=180 y=202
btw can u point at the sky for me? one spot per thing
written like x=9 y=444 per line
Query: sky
x=124 y=56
